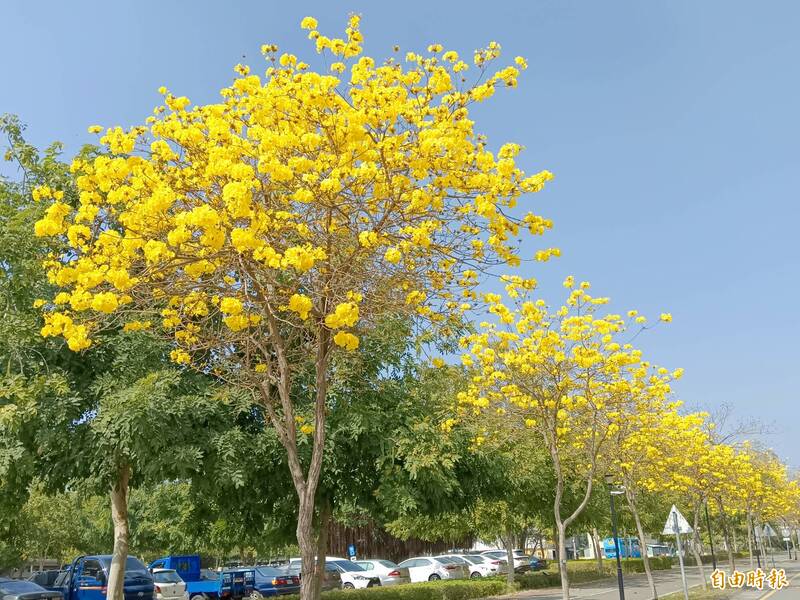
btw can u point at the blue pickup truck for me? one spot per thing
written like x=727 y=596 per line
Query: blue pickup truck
x=204 y=584
x=87 y=579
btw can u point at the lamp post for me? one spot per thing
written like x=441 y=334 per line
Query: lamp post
x=611 y=493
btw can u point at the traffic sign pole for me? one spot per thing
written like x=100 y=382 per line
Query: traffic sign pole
x=680 y=554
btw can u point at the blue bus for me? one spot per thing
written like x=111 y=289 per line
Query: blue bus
x=628 y=548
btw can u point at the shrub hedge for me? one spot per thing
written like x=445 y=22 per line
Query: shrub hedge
x=586 y=570
x=458 y=589
x=469 y=589
x=629 y=565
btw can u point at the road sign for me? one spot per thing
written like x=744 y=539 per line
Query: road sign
x=769 y=531
x=351 y=551
x=676 y=524
x=673 y=526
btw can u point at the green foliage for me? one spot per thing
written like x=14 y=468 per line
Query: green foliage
x=586 y=570
x=71 y=421
x=540 y=579
x=629 y=565
x=434 y=590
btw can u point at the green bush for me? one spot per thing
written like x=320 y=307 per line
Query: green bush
x=539 y=579
x=581 y=571
x=458 y=589
x=706 y=558
x=659 y=563
x=629 y=565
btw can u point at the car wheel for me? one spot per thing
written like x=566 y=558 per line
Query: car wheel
x=199 y=597
x=434 y=577
x=256 y=595
x=348 y=586
x=475 y=575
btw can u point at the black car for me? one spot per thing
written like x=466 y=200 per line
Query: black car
x=44 y=578
x=20 y=589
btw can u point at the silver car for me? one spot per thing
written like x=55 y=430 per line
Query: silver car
x=388 y=572
x=428 y=568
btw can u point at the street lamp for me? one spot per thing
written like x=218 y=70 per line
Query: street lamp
x=611 y=493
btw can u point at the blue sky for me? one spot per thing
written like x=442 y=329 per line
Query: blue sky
x=673 y=128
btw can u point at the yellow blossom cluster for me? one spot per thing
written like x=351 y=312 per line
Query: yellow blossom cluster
x=568 y=374
x=300 y=201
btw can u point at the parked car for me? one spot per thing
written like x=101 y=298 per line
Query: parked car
x=331 y=581
x=46 y=579
x=20 y=589
x=87 y=578
x=352 y=575
x=521 y=560
x=483 y=566
x=537 y=564
x=169 y=585
x=205 y=584
x=388 y=572
x=428 y=568
x=275 y=581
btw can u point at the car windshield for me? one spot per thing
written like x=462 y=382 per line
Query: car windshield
x=444 y=560
x=167 y=577
x=346 y=565
x=520 y=554
x=457 y=559
x=132 y=564
x=209 y=575
x=474 y=559
x=387 y=563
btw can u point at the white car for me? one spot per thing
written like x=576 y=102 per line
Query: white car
x=169 y=585
x=520 y=558
x=483 y=566
x=389 y=572
x=427 y=568
x=353 y=576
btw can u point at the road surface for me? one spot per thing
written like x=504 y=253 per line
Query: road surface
x=669 y=581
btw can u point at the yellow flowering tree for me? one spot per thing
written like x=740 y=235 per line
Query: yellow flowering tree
x=765 y=491
x=645 y=449
x=678 y=464
x=263 y=233
x=564 y=375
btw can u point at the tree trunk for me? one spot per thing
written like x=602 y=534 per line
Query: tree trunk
x=508 y=542
x=305 y=481
x=642 y=541
x=119 y=516
x=727 y=535
x=598 y=551
x=696 y=544
x=750 y=539
x=562 y=524
x=762 y=547
x=322 y=547
x=562 y=558
x=308 y=549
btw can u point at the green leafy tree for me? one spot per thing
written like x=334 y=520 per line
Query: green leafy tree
x=101 y=421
